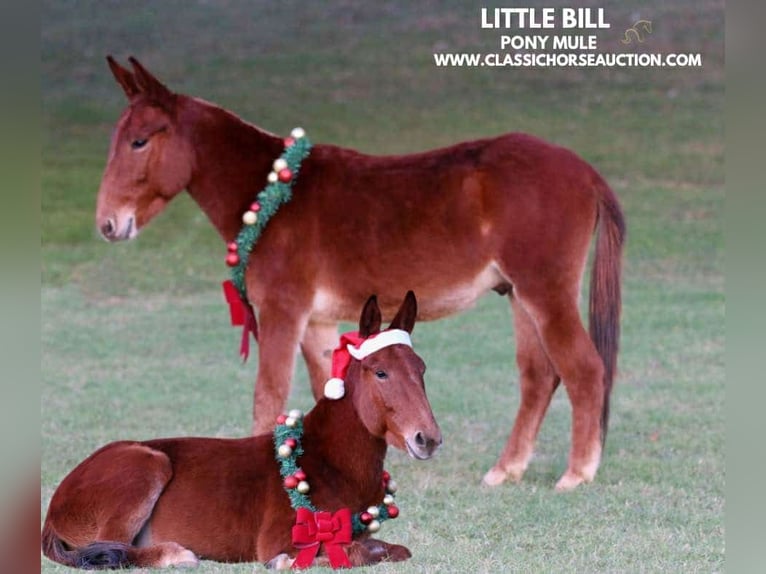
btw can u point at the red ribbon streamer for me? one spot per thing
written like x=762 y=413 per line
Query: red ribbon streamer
x=236 y=308
x=312 y=529
x=241 y=313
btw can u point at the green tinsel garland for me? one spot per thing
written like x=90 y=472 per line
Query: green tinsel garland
x=288 y=465
x=289 y=431
x=278 y=191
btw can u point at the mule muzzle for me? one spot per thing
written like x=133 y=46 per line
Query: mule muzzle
x=422 y=445
x=112 y=229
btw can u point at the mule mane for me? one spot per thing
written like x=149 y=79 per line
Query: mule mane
x=227 y=148
x=217 y=109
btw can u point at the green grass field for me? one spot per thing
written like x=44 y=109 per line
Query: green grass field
x=135 y=337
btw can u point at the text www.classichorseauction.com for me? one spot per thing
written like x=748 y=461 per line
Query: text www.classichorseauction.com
x=564 y=50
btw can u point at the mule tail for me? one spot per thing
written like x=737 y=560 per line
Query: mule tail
x=103 y=555
x=605 y=290
x=94 y=556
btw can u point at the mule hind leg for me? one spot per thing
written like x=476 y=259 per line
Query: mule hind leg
x=538 y=381
x=575 y=359
x=102 y=507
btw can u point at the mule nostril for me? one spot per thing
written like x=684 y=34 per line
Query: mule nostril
x=420 y=440
x=107 y=228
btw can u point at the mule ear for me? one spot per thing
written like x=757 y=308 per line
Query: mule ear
x=405 y=317
x=148 y=84
x=369 y=322
x=124 y=77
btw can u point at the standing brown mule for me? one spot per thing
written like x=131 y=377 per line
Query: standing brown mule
x=171 y=501
x=512 y=214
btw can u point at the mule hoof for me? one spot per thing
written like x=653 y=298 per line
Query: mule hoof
x=280 y=562
x=494 y=477
x=179 y=557
x=570 y=481
x=398 y=553
x=498 y=475
x=373 y=550
x=187 y=560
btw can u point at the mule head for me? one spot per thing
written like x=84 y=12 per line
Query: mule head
x=149 y=161
x=389 y=392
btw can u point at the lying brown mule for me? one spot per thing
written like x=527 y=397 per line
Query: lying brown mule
x=173 y=501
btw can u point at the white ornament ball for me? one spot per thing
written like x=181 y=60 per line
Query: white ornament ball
x=295 y=414
x=303 y=487
x=388 y=499
x=279 y=164
x=373 y=511
x=334 y=388
x=290 y=422
x=284 y=450
x=272 y=177
x=392 y=486
x=298 y=133
x=249 y=218
x=373 y=526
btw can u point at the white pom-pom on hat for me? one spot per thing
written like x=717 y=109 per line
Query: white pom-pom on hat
x=334 y=388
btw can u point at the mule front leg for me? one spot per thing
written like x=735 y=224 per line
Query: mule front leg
x=359 y=552
x=538 y=382
x=380 y=551
x=280 y=329
x=369 y=551
x=317 y=345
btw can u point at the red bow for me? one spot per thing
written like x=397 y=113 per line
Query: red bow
x=315 y=528
x=241 y=313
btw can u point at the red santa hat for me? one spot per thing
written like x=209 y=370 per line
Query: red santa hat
x=353 y=345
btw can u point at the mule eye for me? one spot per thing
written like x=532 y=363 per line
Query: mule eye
x=381 y=375
x=138 y=144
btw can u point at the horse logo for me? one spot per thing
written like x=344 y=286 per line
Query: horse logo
x=635 y=32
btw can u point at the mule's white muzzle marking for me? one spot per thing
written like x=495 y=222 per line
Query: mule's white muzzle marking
x=126 y=225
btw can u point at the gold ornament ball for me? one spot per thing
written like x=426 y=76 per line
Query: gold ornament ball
x=373 y=526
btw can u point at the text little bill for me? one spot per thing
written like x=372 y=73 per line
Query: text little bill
x=543 y=18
